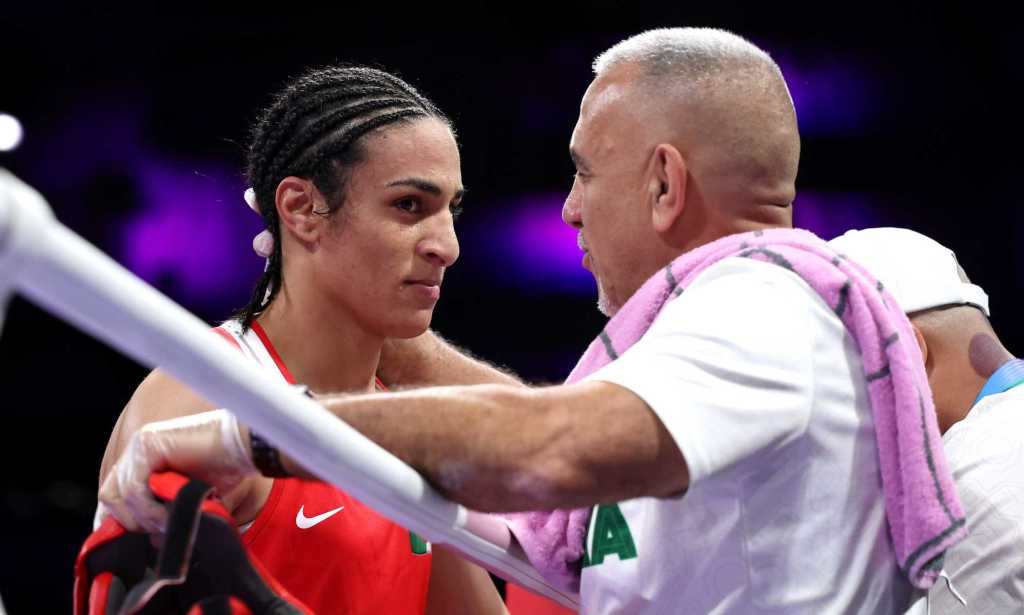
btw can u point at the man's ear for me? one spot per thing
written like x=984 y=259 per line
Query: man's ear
x=921 y=343
x=297 y=201
x=667 y=187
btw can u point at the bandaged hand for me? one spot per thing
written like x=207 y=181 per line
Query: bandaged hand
x=207 y=446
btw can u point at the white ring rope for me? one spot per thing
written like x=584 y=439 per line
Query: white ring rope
x=61 y=272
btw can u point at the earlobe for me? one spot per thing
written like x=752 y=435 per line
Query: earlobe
x=669 y=200
x=297 y=203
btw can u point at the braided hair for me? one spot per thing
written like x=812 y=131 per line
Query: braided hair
x=312 y=129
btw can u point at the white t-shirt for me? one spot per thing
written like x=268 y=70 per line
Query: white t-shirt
x=986 y=453
x=762 y=389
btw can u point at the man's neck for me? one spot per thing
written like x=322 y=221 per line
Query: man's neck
x=719 y=227
x=1009 y=375
x=967 y=390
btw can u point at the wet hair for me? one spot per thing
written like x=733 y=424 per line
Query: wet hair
x=313 y=129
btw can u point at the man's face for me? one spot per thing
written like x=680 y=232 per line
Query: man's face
x=610 y=148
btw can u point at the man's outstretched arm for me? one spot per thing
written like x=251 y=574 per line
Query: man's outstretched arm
x=507 y=448
x=490 y=447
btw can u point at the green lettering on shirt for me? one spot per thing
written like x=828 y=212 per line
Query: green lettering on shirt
x=418 y=545
x=611 y=536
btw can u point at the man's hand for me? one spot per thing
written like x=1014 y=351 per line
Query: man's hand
x=210 y=446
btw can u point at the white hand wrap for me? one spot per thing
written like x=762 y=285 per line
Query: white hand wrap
x=206 y=446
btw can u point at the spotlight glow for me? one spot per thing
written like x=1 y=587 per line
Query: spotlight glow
x=10 y=132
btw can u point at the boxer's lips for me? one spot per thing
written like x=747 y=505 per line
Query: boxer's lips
x=427 y=281
x=429 y=287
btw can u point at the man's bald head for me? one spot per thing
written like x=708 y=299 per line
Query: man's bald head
x=685 y=136
x=723 y=103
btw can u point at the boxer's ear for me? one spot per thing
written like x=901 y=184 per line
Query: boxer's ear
x=298 y=202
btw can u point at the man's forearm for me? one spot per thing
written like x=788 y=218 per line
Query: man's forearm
x=430 y=360
x=457 y=437
x=507 y=448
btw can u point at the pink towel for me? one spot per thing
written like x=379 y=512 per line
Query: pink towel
x=922 y=509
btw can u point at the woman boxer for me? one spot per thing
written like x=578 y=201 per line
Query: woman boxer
x=357 y=178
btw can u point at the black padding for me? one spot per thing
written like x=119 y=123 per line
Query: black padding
x=153 y=594
x=223 y=563
x=182 y=522
x=201 y=561
x=215 y=605
x=126 y=557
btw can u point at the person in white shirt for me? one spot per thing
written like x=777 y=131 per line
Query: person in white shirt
x=980 y=407
x=730 y=454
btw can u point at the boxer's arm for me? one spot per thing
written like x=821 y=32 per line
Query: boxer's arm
x=430 y=360
x=161 y=397
x=457 y=586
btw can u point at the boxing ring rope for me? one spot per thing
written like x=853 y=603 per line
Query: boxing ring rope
x=64 y=274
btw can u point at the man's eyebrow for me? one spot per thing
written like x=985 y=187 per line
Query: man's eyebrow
x=426 y=186
x=578 y=160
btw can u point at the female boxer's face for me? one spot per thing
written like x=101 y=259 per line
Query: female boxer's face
x=385 y=255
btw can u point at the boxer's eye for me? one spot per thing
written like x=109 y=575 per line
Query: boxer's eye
x=410 y=205
x=456 y=209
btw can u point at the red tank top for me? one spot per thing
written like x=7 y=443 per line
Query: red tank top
x=328 y=549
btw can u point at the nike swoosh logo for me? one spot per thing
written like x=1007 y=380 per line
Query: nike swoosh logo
x=305 y=522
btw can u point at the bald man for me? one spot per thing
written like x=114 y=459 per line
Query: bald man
x=730 y=454
x=980 y=405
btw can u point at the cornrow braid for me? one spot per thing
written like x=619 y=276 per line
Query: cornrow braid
x=314 y=157
x=346 y=83
x=303 y=108
x=343 y=86
x=326 y=127
x=313 y=129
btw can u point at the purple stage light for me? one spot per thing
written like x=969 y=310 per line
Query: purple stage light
x=192 y=234
x=829 y=215
x=537 y=252
x=102 y=137
x=186 y=230
x=832 y=98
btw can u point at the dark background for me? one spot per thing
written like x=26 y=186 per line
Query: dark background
x=910 y=116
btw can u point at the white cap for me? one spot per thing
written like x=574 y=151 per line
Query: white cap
x=918 y=271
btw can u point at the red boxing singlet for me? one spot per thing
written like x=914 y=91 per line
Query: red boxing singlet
x=328 y=549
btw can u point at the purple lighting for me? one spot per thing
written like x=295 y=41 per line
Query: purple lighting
x=829 y=215
x=537 y=250
x=192 y=234
x=183 y=226
x=832 y=98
